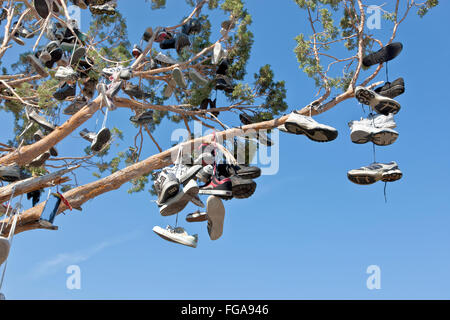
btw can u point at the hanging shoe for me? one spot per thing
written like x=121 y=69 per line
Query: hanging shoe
x=383 y=55
x=88 y=135
x=299 y=124
x=206 y=173
x=184 y=173
x=224 y=83
x=40 y=160
x=182 y=41
x=217 y=53
x=219 y=186
x=148 y=34
x=216 y=216
x=89 y=88
x=178 y=76
x=180 y=201
x=136 y=92
x=169 y=88
x=197 y=78
x=37 y=65
x=40 y=120
x=108 y=8
x=192 y=27
x=101 y=140
x=380 y=104
x=56 y=53
x=76 y=105
x=35 y=197
x=167 y=44
x=43 y=7
x=39 y=135
x=77 y=55
x=197 y=217
x=65 y=91
x=143 y=119
x=66 y=74
x=386 y=172
x=177 y=235
x=392 y=90
x=137 y=51
x=166 y=185
x=10 y=173
x=223 y=67
x=165 y=60
x=379 y=129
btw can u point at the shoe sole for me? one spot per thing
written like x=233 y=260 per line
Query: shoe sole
x=102 y=138
x=382 y=138
x=78 y=55
x=5 y=247
x=383 y=106
x=244 y=190
x=179 y=78
x=42 y=8
x=201 y=82
x=226 y=195
x=176 y=205
x=162 y=235
x=393 y=91
x=318 y=135
x=37 y=66
x=197 y=218
x=391 y=175
x=216 y=216
x=366 y=179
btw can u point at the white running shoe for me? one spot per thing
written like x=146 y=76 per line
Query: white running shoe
x=379 y=103
x=177 y=235
x=386 y=172
x=216 y=215
x=66 y=74
x=300 y=124
x=379 y=129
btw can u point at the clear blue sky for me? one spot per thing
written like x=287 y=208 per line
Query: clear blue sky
x=307 y=233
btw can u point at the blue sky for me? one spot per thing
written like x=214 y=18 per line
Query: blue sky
x=307 y=233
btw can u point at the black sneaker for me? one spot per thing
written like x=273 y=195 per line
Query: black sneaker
x=219 y=186
x=383 y=55
x=100 y=140
x=223 y=67
x=65 y=91
x=143 y=118
x=224 y=83
x=182 y=41
x=243 y=171
x=135 y=91
x=392 y=89
x=192 y=27
x=42 y=8
x=167 y=44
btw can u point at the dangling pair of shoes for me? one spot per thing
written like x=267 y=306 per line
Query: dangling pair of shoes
x=215 y=215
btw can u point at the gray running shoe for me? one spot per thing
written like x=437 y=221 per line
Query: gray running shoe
x=386 y=172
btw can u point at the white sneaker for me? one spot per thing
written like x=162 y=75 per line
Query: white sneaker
x=379 y=103
x=378 y=129
x=181 y=200
x=166 y=59
x=216 y=215
x=66 y=74
x=386 y=172
x=177 y=235
x=184 y=173
x=217 y=53
x=299 y=124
